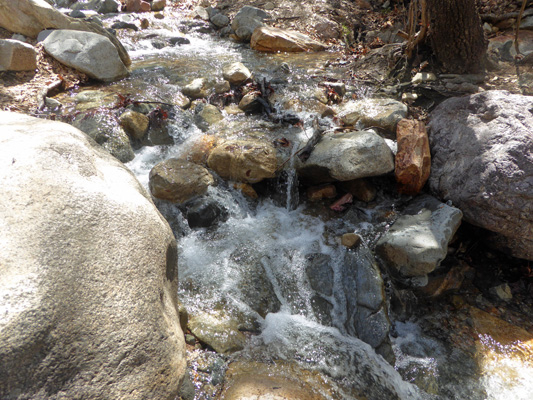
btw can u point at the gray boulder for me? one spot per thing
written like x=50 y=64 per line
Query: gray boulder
x=101 y=6
x=17 y=56
x=88 y=275
x=418 y=241
x=87 y=52
x=482 y=160
x=347 y=156
x=220 y=20
x=247 y=20
x=105 y=131
x=29 y=17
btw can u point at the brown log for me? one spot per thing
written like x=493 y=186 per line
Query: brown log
x=413 y=159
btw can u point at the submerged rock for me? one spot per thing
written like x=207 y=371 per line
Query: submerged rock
x=105 y=130
x=217 y=331
x=482 y=147
x=87 y=52
x=134 y=123
x=347 y=156
x=418 y=241
x=204 y=212
x=272 y=40
x=179 y=180
x=88 y=280
x=206 y=115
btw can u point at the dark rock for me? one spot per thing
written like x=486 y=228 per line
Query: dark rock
x=204 y=212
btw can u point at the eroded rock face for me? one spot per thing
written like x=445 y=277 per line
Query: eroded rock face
x=347 y=156
x=88 y=52
x=268 y=39
x=482 y=148
x=247 y=160
x=88 y=272
x=179 y=180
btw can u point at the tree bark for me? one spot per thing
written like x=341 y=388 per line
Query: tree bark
x=456 y=35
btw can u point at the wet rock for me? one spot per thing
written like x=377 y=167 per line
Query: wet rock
x=246 y=189
x=197 y=149
x=247 y=20
x=196 y=89
x=87 y=52
x=423 y=77
x=236 y=73
x=337 y=87
x=246 y=160
x=317 y=193
x=206 y=115
x=482 y=147
x=254 y=380
x=350 y=240
x=361 y=189
x=347 y=156
x=249 y=103
x=383 y=113
x=204 y=212
x=137 y=6
x=272 y=40
x=135 y=124
x=222 y=87
x=179 y=180
x=105 y=130
x=451 y=281
x=418 y=241
x=76 y=221
x=217 y=331
x=220 y=20
x=413 y=158
x=17 y=56
x=100 y=6
x=124 y=25
x=159 y=5
x=178 y=40
x=320 y=273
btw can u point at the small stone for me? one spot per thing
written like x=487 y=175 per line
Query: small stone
x=422 y=77
x=222 y=87
x=196 y=89
x=159 y=5
x=317 y=193
x=144 y=23
x=159 y=15
x=503 y=292
x=220 y=20
x=135 y=124
x=236 y=73
x=190 y=339
x=350 y=240
x=249 y=102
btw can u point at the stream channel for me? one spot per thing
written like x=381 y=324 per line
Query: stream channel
x=273 y=279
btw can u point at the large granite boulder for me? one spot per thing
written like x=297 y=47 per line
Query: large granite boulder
x=17 y=56
x=482 y=149
x=88 y=52
x=88 y=272
x=347 y=156
x=272 y=40
x=418 y=240
x=29 y=17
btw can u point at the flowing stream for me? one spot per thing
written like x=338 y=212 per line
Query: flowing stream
x=251 y=272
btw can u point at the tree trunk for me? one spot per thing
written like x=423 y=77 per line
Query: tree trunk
x=457 y=35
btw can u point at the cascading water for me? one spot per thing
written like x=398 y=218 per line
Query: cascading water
x=276 y=270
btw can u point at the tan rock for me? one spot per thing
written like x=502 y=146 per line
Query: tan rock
x=350 y=240
x=361 y=189
x=246 y=190
x=135 y=124
x=246 y=160
x=218 y=331
x=236 y=73
x=17 y=56
x=317 y=193
x=279 y=381
x=272 y=40
x=413 y=159
x=179 y=180
x=200 y=148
